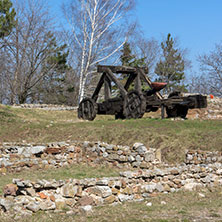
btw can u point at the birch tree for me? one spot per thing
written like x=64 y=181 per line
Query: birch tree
x=97 y=31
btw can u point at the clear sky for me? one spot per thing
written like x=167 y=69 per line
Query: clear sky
x=197 y=23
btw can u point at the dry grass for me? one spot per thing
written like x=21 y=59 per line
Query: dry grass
x=181 y=207
x=173 y=137
x=47 y=126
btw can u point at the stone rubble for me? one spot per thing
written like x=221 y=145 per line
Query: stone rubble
x=24 y=197
x=82 y=194
x=17 y=156
x=51 y=107
x=213 y=110
x=203 y=157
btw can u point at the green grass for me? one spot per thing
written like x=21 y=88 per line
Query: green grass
x=173 y=137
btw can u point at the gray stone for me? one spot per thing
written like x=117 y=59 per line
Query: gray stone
x=105 y=154
x=58 y=157
x=145 y=195
x=149 y=204
x=109 y=146
x=131 y=158
x=123 y=197
x=71 y=149
x=86 y=209
x=37 y=149
x=172 y=190
x=60 y=203
x=6 y=204
x=127 y=174
x=86 y=200
x=47 y=205
x=23 y=200
x=68 y=190
x=191 y=186
x=20 y=150
x=88 y=182
x=189 y=157
x=136 y=145
x=102 y=149
x=150 y=187
x=219 y=172
x=159 y=187
x=103 y=182
x=20 y=183
x=103 y=191
x=119 y=152
x=71 y=212
x=45 y=162
x=136 y=164
x=141 y=150
x=138 y=158
x=149 y=156
x=122 y=158
x=30 y=191
x=33 y=206
x=86 y=144
x=114 y=156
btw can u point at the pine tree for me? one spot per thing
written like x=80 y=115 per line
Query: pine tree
x=170 y=69
x=53 y=87
x=128 y=59
x=7 y=17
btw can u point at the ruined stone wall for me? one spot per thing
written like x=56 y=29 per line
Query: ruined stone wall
x=25 y=197
x=203 y=157
x=15 y=156
x=45 y=107
x=213 y=110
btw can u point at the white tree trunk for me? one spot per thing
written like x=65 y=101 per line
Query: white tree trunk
x=93 y=30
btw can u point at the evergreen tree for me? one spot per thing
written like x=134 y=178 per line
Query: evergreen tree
x=128 y=59
x=170 y=69
x=7 y=17
x=54 y=88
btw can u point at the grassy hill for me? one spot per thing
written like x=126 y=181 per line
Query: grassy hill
x=173 y=137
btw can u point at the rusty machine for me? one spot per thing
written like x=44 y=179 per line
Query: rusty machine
x=132 y=101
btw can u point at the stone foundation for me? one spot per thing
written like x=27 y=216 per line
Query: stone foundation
x=24 y=197
x=46 y=107
x=15 y=156
x=203 y=157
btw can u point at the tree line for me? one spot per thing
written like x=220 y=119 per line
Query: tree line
x=43 y=63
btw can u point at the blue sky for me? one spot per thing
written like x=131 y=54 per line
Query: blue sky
x=196 y=23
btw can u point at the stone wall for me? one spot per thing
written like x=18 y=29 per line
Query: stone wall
x=15 y=156
x=213 y=110
x=45 y=107
x=203 y=157
x=25 y=197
